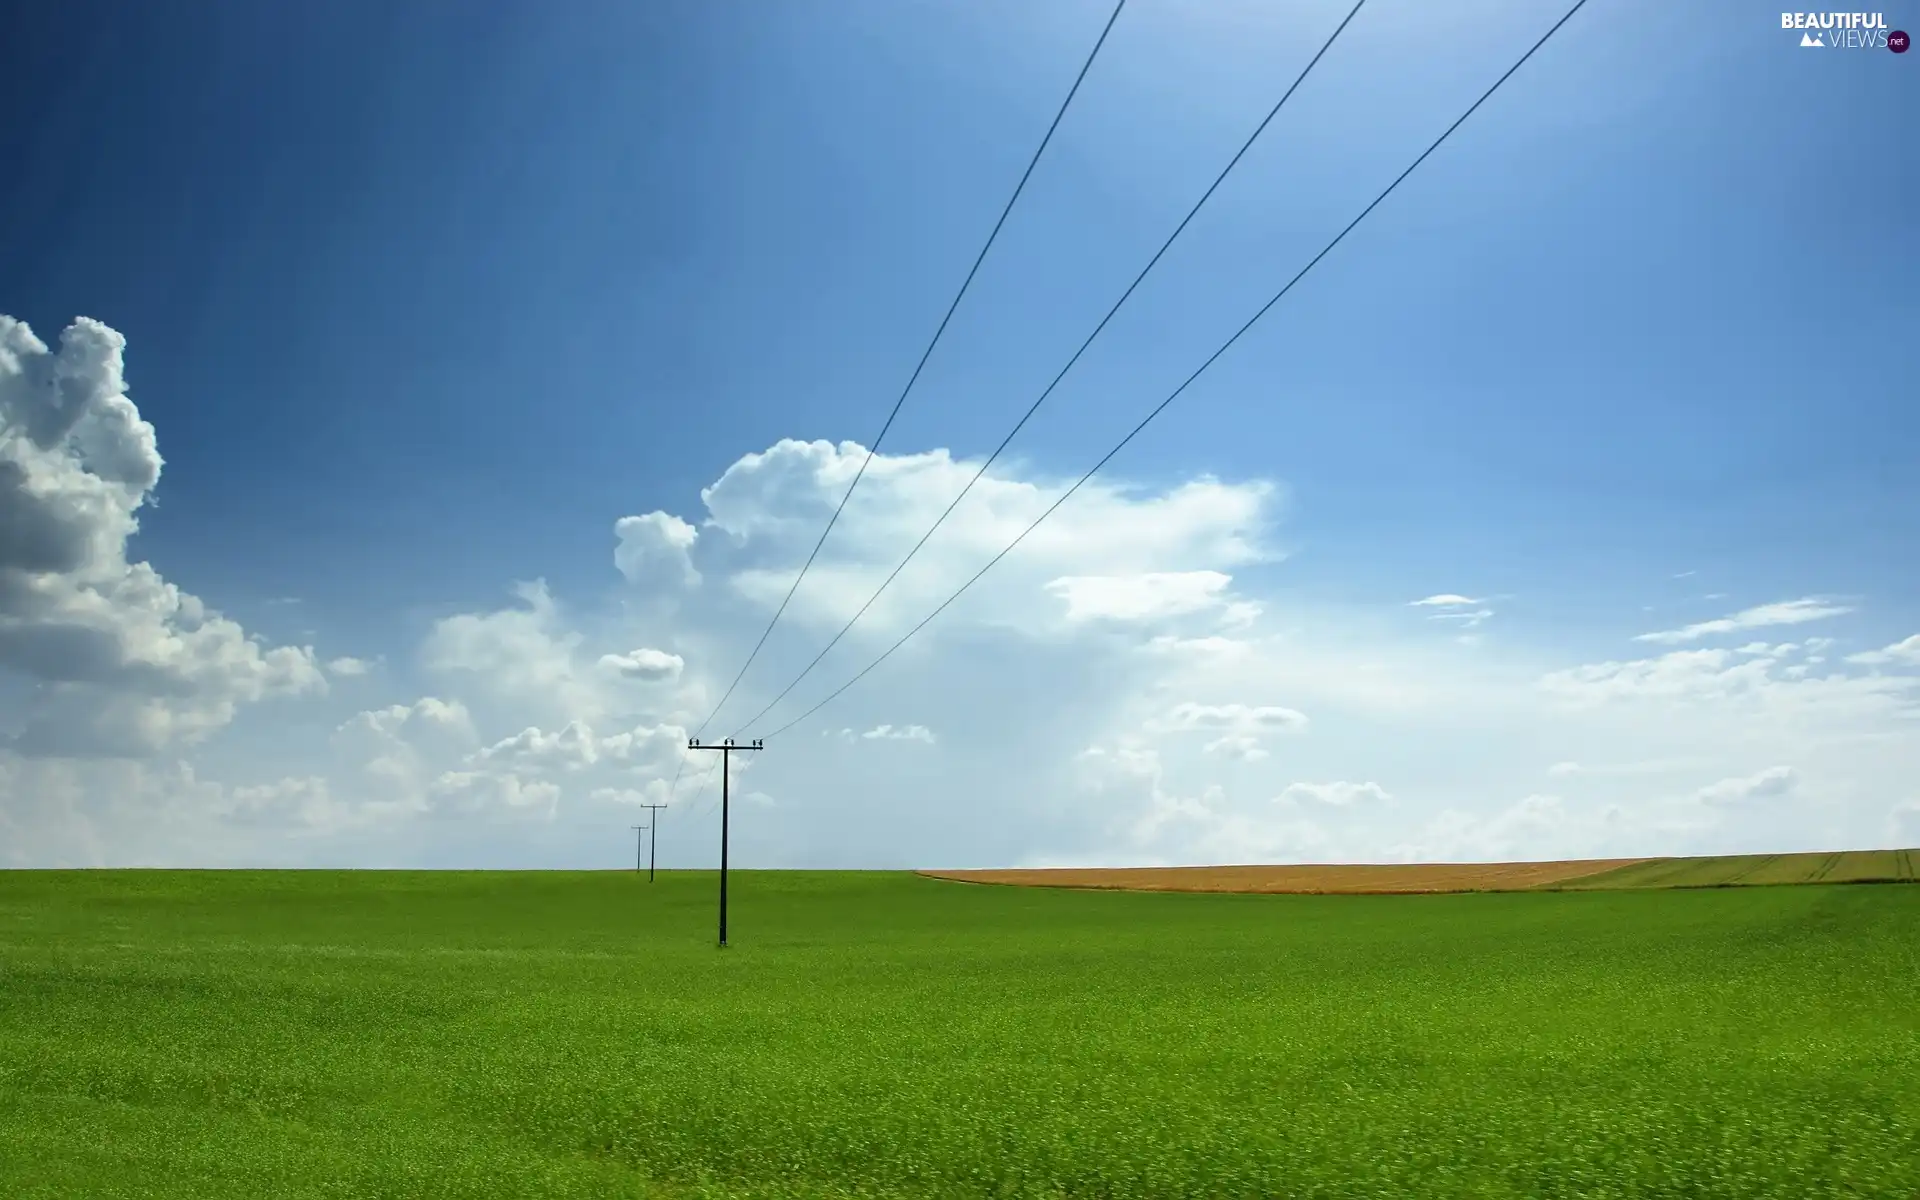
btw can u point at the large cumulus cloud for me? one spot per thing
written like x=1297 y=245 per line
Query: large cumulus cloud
x=1112 y=551
x=122 y=661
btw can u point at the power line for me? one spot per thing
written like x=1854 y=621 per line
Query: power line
x=673 y=788
x=693 y=811
x=921 y=366
x=1175 y=394
x=1097 y=330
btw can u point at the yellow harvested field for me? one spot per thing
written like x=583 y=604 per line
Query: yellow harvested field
x=1395 y=879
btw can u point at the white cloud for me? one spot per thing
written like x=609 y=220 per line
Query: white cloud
x=300 y=803
x=538 y=768
x=483 y=793
x=1198 y=648
x=1770 y=784
x=775 y=503
x=646 y=747
x=1238 y=614
x=652 y=666
x=1153 y=822
x=1242 y=746
x=1785 y=612
x=125 y=662
x=66 y=812
x=1905 y=652
x=424 y=759
x=903 y=733
x=654 y=792
x=1238 y=717
x=1467 y=619
x=1630 y=740
x=1338 y=794
x=428 y=718
x=390 y=755
x=1678 y=674
x=1242 y=726
x=570 y=749
x=349 y=668
x=1537 y=827
x=1141 y=597
x=1604 y=770
x=1736 y=682
x=1467 y=610
x=528 y=656
x=883 y=733
x=655 y=547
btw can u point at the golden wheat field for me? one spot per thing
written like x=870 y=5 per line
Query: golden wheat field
x=1851 y=866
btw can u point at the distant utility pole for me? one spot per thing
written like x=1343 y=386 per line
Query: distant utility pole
x=726 y=749
x=653 y=841
x=637 y=831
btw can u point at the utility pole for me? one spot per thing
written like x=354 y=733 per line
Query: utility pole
x=637 y=831
x=726 y=749
x=654 y=840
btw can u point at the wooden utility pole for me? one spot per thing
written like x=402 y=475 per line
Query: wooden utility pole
x=726 y=748
x=653 y=842
x=637 y=831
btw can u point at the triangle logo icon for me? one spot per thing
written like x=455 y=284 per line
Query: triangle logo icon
x=1808 y=39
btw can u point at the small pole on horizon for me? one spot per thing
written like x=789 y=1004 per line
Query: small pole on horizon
x=726 y=749
x=653 y=841
x=637 y=831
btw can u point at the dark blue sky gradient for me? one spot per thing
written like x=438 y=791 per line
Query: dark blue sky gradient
x=421 y=297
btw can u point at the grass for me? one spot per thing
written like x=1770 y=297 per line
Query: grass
x=1747 y=870
x=1305 y=879
x=437 y=1035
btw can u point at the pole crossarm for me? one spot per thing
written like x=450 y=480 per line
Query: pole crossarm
x=726 y=747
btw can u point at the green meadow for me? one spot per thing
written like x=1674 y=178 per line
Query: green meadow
x=340 y=1034
x=1757 y=870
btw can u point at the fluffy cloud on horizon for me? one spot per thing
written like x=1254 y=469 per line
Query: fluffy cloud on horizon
x=1117 y=691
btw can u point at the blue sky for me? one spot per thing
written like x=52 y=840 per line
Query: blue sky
x=420 y=299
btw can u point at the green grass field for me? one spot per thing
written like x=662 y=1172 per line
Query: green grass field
x=1750 y=870
x=269 y=1035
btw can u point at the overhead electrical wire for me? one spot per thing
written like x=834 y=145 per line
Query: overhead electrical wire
x=926 y=354
x=914 y=378
x=1062 y=374
x=694 y=810
x=1175 y=394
